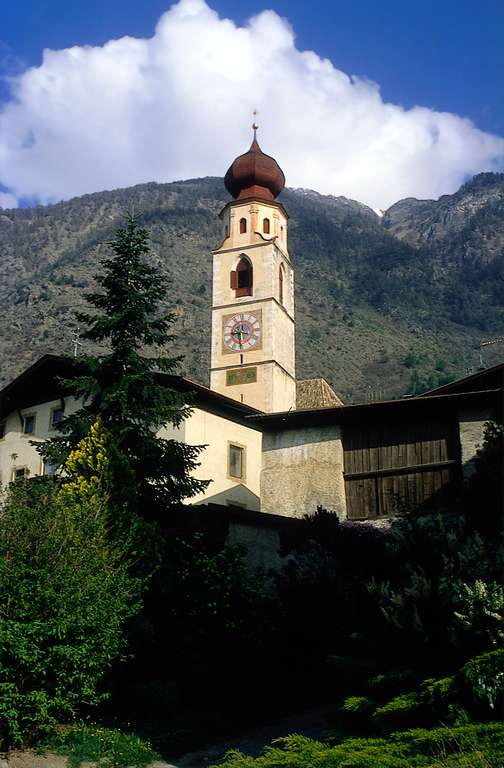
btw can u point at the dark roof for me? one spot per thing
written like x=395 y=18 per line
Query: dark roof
x=488 y=378
x=406 y=408
x=254 y=174
x=41 y=382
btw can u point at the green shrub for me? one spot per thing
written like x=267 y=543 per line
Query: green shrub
x=480 y=610
x=408 y=749
x=485 y=676
x=355 y=713
x=394 y=682
x=401 y=711
x=65 y=594
x=104 y=747
x=357 y=704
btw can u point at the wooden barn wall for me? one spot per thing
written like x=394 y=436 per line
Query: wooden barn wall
x=390 y=465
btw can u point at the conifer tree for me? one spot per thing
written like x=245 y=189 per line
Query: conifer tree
x=124 y=387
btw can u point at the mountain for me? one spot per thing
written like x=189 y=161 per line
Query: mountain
x=384 y=305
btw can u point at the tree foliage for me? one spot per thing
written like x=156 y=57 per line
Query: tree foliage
x=449 y=591
x=65 y=595
x=125 y=387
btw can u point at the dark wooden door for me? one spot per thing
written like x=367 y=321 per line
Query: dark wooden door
x=389 y=466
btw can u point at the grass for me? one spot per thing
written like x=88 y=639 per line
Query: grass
x=105 y=747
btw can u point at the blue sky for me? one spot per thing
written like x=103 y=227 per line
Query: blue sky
x=445 y=56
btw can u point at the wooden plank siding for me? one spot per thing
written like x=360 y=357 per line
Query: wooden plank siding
x=391 y=465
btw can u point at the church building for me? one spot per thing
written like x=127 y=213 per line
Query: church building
x=276 y=446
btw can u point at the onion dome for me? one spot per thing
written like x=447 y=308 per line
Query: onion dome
x=254 y=174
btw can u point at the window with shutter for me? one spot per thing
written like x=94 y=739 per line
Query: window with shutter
x=244 y=277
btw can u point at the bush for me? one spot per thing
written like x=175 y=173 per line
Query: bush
x=446 y=594
x=103 y=747
x=431 y=702
x=65 y=594
x=485 y=676
x=419 y=748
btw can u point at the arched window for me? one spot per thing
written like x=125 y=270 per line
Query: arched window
x=243 y=226
x=281 y=271
x=266 y=226
x=242 y=278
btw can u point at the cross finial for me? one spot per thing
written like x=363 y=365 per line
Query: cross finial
x=255 y=125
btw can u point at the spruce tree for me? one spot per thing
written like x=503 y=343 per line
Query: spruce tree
x=124 y=387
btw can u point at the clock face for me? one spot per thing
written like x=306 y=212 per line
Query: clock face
x=241 y=332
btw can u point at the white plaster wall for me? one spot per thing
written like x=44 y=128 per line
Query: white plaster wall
x=283 y=395
x=302 y=469
x=216 y=433
x=262 y=257
x=253 y=212
x=201 y=428
x=283 y=339
x=16 y=450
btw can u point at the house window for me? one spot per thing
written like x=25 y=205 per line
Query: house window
x=236 y=462
x=48 y=469
x=266 y=226
x=19 y=472
x=29 y=424
x=243 y=226
x=2 y=430
x=281 y=283
x=242 y=278
x=57 y=415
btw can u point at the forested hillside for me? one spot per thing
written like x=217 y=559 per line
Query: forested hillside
x=384 y=305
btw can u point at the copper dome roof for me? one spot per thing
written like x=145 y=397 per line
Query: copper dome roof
x=254 y=174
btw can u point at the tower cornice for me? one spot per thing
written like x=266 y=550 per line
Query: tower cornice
x=257 y=201
x=248 y=247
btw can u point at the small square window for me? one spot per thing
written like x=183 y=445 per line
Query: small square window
x=236 y=462
x=57 y=415
x=19 y=472
x=49 y=469
x=29 y=424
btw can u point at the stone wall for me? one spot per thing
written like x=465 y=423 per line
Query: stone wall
x=471 y=431
x=301 y=470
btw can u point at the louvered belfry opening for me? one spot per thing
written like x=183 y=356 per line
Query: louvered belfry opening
x=392 y=467
x=242 y=278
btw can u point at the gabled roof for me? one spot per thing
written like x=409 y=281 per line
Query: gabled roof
x=41 y=382
x=392 y=411
x=487 y=378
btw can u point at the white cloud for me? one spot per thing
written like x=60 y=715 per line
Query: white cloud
x=179 y=105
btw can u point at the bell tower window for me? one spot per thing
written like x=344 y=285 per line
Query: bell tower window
x=243 y=226
x=242 y=278
x=266 y=226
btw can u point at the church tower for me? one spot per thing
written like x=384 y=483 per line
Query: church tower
x=253 y=344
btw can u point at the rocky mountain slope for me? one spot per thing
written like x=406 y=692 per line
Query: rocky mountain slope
x=384 y=305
